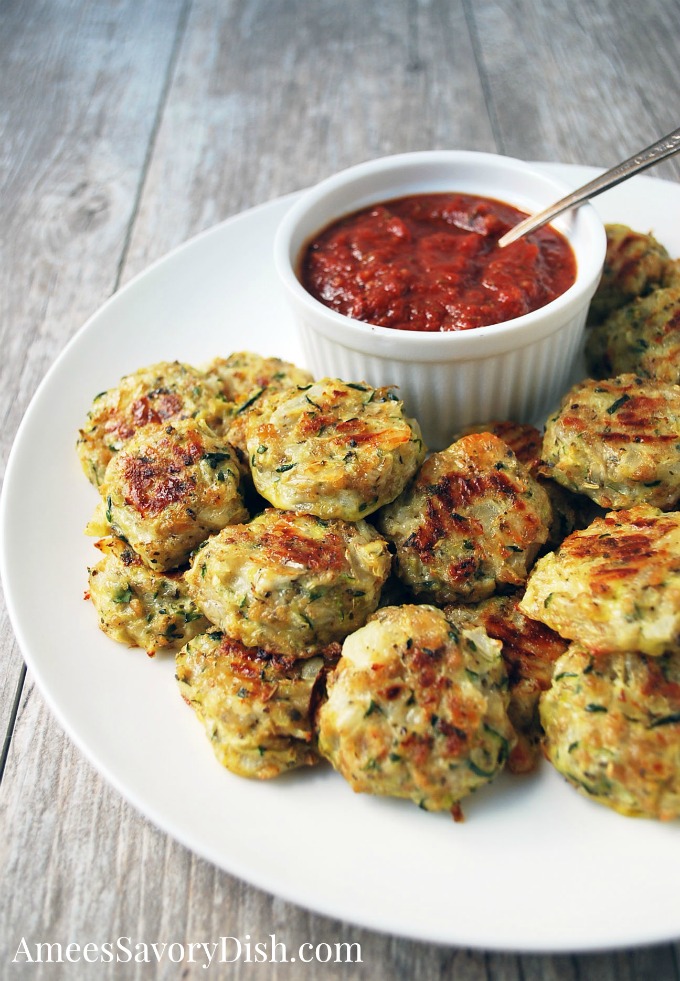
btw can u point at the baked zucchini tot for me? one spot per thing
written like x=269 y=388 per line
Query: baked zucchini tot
x=671 y=276
x=243 y=378
x=635 y=264
x=471 y=522
x=417 y=709
x=169 y=488
x=642 y=337
x=290 y=583
x=529 y=651
x=255 y=706
x=526 y=442
x=332 y=449
x=612 y=729
x=162 y=393
x=137 y=606
x=614 y=586
x=617 y=441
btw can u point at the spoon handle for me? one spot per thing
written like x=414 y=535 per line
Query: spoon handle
x=663 y=148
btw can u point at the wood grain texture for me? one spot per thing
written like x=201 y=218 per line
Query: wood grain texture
x=80 y=90
x=268 y=98
x=575 y=82
x=128 y=126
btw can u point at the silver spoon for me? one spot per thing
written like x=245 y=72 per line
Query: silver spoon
x=663 y=148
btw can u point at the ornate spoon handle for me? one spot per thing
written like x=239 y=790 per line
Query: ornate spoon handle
x=663 y=148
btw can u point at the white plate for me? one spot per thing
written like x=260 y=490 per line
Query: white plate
x=534 y=867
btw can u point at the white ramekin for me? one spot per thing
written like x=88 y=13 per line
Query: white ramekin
x=448 y=380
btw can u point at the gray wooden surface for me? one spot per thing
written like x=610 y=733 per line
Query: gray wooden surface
x=127 y=126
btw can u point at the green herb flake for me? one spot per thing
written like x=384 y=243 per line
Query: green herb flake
x=191 y=615
x=617 y=404
x=666 y=720
x=253 y=398
x=487 y=774
x=214 y=459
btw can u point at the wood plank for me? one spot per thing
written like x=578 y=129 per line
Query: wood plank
x=80 y=89
x=268 y=98
x=11 y=682
x=572 y=82
x=647 y=962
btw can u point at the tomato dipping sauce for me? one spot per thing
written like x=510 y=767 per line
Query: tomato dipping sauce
x=430 y=262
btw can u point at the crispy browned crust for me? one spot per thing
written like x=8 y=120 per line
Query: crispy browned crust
x=256 y=706
x=612 y=728
x=170 y=487
x=473 y=520
x=529 y=651
x=524 y=440
x=614 y=586
x=162 y=393
x=291 y=583
x=616 y=440
x=332 y=449
x=641 y=337
x=635 y=263
x=417 y=708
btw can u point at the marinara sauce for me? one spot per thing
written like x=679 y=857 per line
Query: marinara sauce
x=431 y=262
